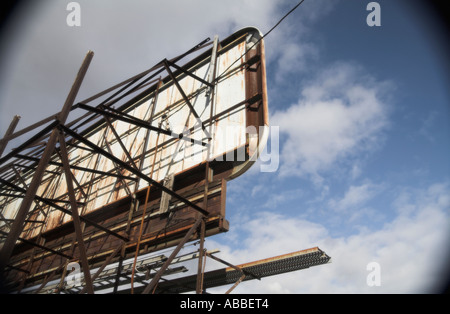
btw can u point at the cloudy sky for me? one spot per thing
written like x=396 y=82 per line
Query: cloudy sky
x=362 y=113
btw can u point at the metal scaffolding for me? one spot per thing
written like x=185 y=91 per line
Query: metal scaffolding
x=93 y=190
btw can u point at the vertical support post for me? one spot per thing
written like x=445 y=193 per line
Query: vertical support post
x=212 y=64
x=201 y=253
x=119 y=268
x=208 y=170
x=165 y=198
x=18 y=224
x=139 y=239
x=145 y=204
x=9 y=131
x=75 y=216
x=133 y=207
x=108 y=147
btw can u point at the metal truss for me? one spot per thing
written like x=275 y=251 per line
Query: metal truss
x=42 y=149
x=47 y=155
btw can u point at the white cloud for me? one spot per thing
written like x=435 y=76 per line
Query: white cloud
x=293 y=57
x=411 y=250
x=292 y=48
x=356 y=195
x=340 y=115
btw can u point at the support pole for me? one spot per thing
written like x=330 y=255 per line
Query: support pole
x=208 y=170
x=17 y=226
x=75 y=216
x=201 y=254
x=9 y=131
x=143 y=213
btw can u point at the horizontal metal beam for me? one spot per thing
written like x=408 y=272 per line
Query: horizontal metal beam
x=44 y=198
x=18 y=269
x=110 y=174
x=31 y=221
x=142 y=123
x=40 y=246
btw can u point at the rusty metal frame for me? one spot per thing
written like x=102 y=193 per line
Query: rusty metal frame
x=42 y=149
x=235 y=274
x=232 y=275
x=57 y=129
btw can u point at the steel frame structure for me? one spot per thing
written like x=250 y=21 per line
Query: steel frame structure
x=232 y=275
x=94 y=239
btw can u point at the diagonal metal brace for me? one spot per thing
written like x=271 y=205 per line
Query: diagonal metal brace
x=244 y=271
x=186 y=99
x=40 y=246
x=130 y=168
x=172 y=64
x=166 y=264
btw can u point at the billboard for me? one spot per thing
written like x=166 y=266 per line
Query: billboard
x=146 y=161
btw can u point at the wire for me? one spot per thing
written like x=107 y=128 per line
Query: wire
x=278 y=23
x=264 y=36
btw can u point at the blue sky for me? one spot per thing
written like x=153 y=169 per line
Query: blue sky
x=363 y=116
x=357 y=174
